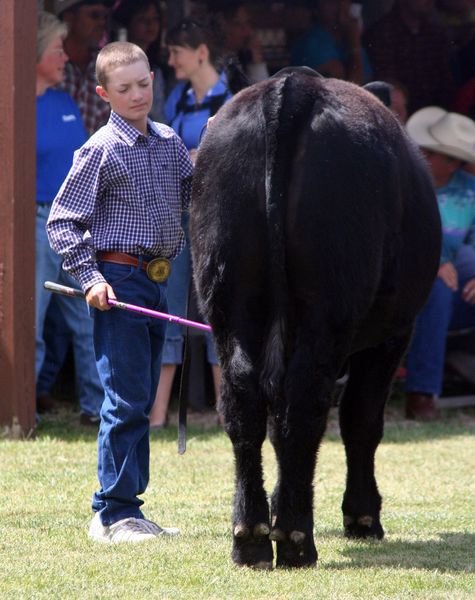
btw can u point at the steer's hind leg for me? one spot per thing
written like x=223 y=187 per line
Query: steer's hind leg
x=245 y=417
x=297 y=425
x=362 y=424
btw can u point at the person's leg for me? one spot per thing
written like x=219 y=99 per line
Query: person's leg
x=57 y=338
x=158 y=414
x=460 y=355
x=47 y=265
x=177 y=294
x=425 y=360
x=79 y=322
x=463 y=315
x=216 y=372
x=127 y=349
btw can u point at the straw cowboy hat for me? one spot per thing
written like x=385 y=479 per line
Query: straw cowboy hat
x=445 y=132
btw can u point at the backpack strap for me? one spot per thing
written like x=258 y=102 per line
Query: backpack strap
x=211 y=103
x=180 y=106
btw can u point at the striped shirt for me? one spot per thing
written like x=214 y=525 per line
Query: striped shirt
x=125 y=192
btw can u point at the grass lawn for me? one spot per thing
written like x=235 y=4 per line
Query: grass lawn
x=425 y=474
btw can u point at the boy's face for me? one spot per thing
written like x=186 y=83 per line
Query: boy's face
x=129 y=92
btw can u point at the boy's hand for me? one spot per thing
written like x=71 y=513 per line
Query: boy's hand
x=98 y=294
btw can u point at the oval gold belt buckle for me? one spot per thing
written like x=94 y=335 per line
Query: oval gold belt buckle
x=158 y=270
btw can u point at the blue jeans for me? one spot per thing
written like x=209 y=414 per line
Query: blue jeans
x=58 y=338
x=128 y=351
x=75 y=313
x=178 y=286
x=444 y=311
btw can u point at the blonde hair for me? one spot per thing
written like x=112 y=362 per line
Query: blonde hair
x=117 y=54
x=49 y=27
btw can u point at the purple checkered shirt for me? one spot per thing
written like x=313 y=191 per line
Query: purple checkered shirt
x=125 y=192
x=81 y=85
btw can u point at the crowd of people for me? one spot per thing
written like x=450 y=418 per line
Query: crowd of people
x=119 y=128
x=424 y=50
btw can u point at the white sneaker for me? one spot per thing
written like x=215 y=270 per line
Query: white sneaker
x=157 y=530
x=130 y=530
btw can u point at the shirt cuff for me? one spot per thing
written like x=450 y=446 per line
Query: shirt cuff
x=87 y=277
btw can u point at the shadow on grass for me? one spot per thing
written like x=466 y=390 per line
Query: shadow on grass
x=64 y=425
x=452 y=552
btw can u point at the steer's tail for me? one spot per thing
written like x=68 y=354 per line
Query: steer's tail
x=287 y=105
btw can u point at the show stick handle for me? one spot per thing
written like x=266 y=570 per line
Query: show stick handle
x=63 y=289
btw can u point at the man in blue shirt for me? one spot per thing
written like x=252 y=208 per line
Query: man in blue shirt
x=448 y=141
x=127 y=188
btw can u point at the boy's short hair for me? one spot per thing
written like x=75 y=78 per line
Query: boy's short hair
x=117 y=54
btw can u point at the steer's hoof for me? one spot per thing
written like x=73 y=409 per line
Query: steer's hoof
x=252 y=548
x=363 y=527
x=297 y=550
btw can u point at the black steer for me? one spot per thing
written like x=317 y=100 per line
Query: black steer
x=315 y=238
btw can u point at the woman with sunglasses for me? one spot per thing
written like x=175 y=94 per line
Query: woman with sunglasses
x=201 y=90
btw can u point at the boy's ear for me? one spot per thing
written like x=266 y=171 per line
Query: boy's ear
x=102 y=92
x=152 y=75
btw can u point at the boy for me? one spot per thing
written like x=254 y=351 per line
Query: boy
x=127 y=188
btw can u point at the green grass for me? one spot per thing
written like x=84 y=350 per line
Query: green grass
x=425 y=473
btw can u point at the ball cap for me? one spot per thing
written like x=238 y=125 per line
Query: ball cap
x=445 y=132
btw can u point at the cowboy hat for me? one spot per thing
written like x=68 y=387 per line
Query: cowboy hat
x=61 y=5
x=445 y=132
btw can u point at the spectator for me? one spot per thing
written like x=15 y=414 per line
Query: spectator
x=86 y=21
x=373 y=10
x=202 y=89
x=464 y=100
x=333 y=46
x=407 y=46
x=142 y=20
x=458 y=16
x=128 y=186
x=448 y=141
x=392 y=94
x=59 y=132
x=399 y=101
x=240 y=39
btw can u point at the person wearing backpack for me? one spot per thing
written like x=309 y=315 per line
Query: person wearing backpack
x=202 y=88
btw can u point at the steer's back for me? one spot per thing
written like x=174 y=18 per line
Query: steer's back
x=308 y=193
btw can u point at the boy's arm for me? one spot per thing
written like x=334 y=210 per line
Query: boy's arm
x=71 y=216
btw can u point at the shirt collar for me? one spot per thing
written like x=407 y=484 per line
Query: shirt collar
x=129 y=133
x=220 y=87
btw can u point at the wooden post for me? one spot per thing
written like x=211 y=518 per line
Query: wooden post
x=17 y=215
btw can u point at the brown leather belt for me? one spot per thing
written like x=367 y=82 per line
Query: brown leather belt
x=157 y=269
